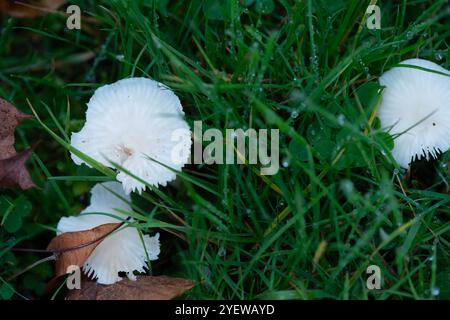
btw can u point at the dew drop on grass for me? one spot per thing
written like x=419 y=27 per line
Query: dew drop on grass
x=435 y=291
x=341 y=119
x=296 y=95
x=285 y=163
x=222 y=252
x=294 y=114
x=347 y=186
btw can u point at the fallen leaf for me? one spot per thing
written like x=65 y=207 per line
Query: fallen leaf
x=13 y=172
x=10 y=117
x=73 y=248
x=144 y=288
x=30 y=9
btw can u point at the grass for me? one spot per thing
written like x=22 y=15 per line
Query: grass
x=308 y=68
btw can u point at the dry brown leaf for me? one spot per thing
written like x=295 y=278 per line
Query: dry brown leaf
x=29 y=9
x=12 y=165
x=144 y=288
x=9 y=118
x=73 y=248
x=13 y=172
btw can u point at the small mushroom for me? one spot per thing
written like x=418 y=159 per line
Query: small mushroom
x=121 y=251
x=132 y=122
x=415 y=109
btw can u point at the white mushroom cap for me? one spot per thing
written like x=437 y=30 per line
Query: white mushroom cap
x=121 y=251
x=131 y=122
x=416 y=107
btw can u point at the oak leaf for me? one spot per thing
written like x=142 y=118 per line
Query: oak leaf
x=73 y=248
x=144 y=288
x=12 y=165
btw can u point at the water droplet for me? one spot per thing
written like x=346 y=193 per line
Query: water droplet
x=285 y=163
x=435 y=291
x=222 y=252
x=294 y=114
x=296 y=95
x=347 y=186
x=341 y=119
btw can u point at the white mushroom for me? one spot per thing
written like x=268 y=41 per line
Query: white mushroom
x=123 y=250
x=415 y=109
x=131 y=122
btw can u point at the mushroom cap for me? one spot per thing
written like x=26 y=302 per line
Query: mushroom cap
x=415 y=109
x=131 y=122
x=122 y=250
